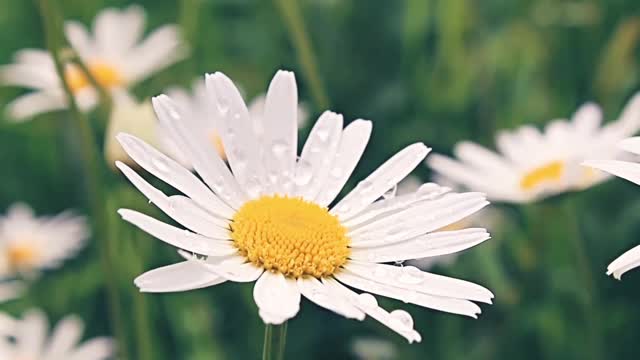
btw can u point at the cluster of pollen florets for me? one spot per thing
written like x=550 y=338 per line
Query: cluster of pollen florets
x=291 y=236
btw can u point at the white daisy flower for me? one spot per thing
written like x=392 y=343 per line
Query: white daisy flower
x=30 y=244
x=10 y=289
x=629 y=171
x=533 y=165
x=115 y=54
x=266 y=219
x=198 y=111
x=27 y=339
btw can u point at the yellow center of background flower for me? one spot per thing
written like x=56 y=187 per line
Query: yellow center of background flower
x=291 y=236
x=21 y=255
x=551 y=172
x=106 y=75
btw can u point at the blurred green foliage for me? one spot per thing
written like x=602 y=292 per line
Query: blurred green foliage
x=423 y=70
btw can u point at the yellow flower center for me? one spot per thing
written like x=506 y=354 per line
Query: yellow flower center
x=291 y=236
x=105 y=75
x=21 y=256
x=551 y=172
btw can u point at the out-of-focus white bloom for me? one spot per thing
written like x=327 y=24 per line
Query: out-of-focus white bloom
x=533 y=164
x=264 y=216
x=132 y=117
x=10 y=289
x=373 y=349
x=629 y=171
x=28 y=339
x=115 y=53
x=29 y=244
x=489 y=217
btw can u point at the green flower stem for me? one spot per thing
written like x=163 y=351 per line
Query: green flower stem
x=585 y=274
x=92 y=172
x=275 y=339
x=290 y=12
x=103 y=94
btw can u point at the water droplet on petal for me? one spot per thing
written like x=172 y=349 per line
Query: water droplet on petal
x=411 y=275
x=223 y=105
x=161 y=164
x=399 y=262
x=323 y=135
x=278 y=148
x=253 y=187
x=367 y=301
x=402 y=317
x=303 y=174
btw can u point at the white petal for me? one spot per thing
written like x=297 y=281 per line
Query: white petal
x=65 y=336
x=201 y=153
x=94 y=349
x=179 y=238
x=35 y=57
x=163 y=47
x=624 y=263
x=318 y=154
x=183 y=276
x=412 y=278
x=629 y=121
x=418 y=220
x=381 y=180
x=237 y=134
x=174 y=174
x=320 y=294
x=277 y=297
x=353 y=141
x=182 y=209
x=631 y=145
x=79 y=39
x=233 y=268
x=427 y=191
x=30 y=76
x=369 y=304
x=623 y=169
x=29 y=105
x=280 y=138
x=31 y=334
x=450 y=305
x=587 y=118
x=479 y=156
x=434 y=244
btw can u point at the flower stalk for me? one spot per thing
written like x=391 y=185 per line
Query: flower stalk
x=92 y=170
x=275 y=339
x=292 y=16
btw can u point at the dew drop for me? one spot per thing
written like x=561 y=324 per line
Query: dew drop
x=223 y=105
x=253 y=187
x=367 y=301
x=411 y=275
x=365 y=186
x=161 y=164
x=303 y=174
x=323 y=135
x=399 y=262
x=278 y=148
x=402 y=317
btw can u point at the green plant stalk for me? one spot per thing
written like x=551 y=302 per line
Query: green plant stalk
x=583 y=267
x=92 y=172
x=105 y=98
x=290 y=12
x=275 y=340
